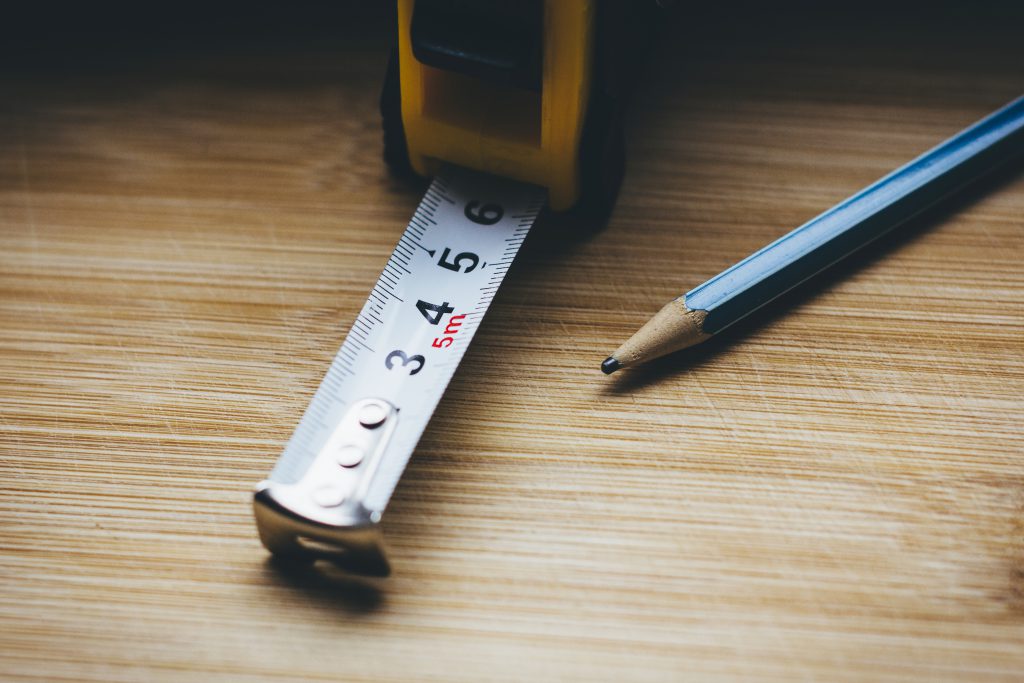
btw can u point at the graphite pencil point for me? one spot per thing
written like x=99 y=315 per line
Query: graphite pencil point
x=609 y=365
x=672 y=328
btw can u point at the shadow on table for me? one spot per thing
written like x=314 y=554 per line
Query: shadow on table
x=328 y=585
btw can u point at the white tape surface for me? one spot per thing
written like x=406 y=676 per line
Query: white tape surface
x=408 y=340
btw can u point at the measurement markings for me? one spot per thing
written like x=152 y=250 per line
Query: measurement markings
x=482 y=222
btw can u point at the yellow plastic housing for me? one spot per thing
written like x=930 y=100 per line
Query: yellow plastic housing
x=529 y=136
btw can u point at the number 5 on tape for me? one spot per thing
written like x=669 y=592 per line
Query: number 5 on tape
x=331 y=485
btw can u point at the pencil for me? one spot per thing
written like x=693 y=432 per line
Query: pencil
x=758 y=279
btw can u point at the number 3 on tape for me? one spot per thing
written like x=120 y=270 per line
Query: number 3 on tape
x=334 y=479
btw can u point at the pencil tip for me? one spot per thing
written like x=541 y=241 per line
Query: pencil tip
x=610 y=365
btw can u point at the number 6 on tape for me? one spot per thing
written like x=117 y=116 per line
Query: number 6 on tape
x=335 y=477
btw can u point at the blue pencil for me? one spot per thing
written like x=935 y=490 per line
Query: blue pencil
x=737 y=292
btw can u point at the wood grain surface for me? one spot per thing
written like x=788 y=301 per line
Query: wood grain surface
x=835 y=492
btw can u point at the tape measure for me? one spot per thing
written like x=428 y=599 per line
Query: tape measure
x=325 y=497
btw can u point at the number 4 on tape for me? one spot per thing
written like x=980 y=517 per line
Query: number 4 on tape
x=335 y=477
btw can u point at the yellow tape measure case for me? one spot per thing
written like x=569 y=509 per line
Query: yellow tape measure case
x=529 y=90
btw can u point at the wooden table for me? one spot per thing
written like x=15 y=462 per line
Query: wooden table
x=835 y=493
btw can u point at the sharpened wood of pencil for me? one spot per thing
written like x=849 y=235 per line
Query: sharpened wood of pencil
x=758 y=279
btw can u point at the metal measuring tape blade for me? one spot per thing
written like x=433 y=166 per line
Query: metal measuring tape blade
x=325 y=497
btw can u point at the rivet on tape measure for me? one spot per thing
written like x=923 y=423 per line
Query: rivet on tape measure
x=326 y=495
